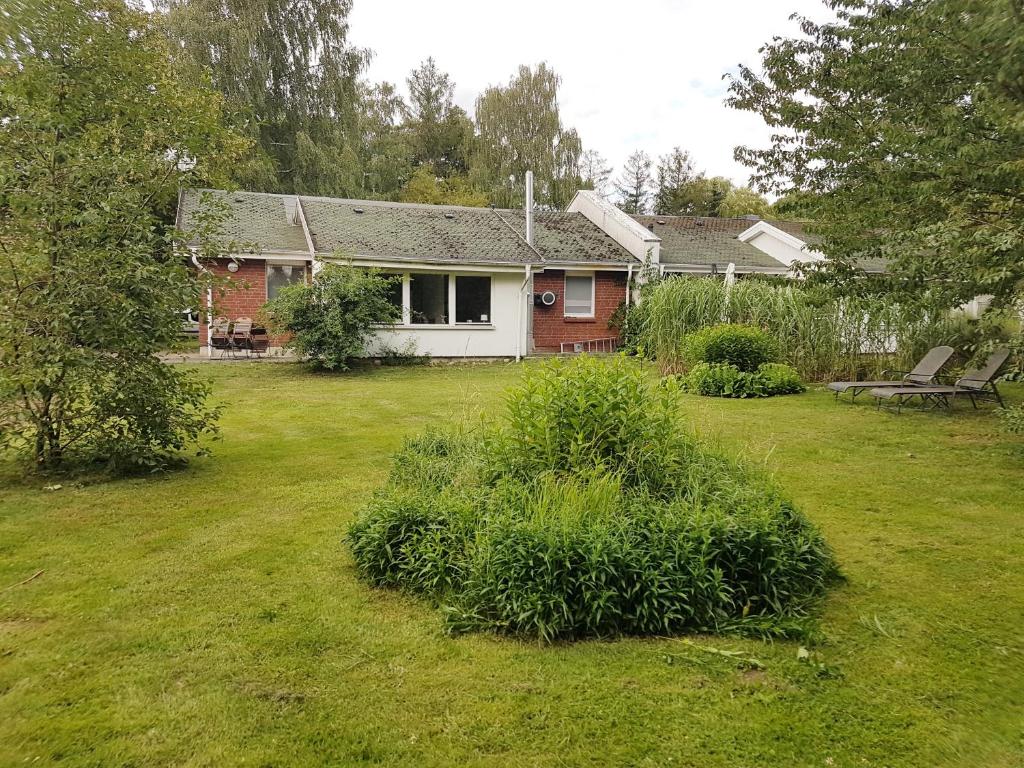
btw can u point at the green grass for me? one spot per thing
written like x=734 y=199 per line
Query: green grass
x=212 y=617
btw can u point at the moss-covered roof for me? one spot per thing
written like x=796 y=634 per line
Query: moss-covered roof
x=381 y=230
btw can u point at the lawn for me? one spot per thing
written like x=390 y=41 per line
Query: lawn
x=212 y=617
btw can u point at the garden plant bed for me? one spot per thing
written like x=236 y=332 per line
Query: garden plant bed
x=213 y=616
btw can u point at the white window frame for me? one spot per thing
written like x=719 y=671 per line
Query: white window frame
x=407 y=300
x=593 y=295
x=282 y=263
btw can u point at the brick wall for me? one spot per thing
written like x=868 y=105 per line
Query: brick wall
x=550 y=325
x=243 y=298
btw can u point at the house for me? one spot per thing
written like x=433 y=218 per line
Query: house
x=481 y=282
x=475 y=282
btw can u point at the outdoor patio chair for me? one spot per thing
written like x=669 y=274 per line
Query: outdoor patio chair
x=240 y=335
x=924 y=373
x=977 y=385
x=220 y=337
x=259 y=341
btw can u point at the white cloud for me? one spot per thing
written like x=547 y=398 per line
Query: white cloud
x=641 y=74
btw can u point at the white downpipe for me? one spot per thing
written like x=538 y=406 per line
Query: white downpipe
x=529 y=208
x=629 y=280
x=523 y=309
x=209 y=308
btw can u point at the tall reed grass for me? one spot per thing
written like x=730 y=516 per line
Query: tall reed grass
x=823 y=339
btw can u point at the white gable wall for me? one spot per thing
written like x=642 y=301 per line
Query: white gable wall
x=630 y=234
x=781 y=246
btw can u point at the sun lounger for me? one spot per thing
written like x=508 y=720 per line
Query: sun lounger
x=977 y=385
x=924 y=373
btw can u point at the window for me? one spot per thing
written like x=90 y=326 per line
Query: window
x=579 y=296
x=395 y=289
x=428 y=299
x=472 y=299
x=280 y=275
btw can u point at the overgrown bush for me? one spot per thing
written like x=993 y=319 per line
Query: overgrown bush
x=589 y=513
x=331 y=319
x=727 y=380
x=743 y=346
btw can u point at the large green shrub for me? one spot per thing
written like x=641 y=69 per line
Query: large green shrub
x=330 y=319
x=743 y=346
x=589 y=513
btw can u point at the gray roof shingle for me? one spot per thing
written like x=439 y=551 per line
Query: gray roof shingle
x=703 y=241
x=403 y=231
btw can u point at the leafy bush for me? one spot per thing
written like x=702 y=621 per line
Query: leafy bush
x=780 y=379
x=1013 y=419
x=331 y=318
x=743 y=346
x=589 y=513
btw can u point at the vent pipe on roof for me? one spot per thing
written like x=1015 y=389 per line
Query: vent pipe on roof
x=529 y=208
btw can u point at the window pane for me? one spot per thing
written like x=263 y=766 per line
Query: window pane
x=394 y=290
x=428 y=297
x=472 y=299
x=280 y=275
x=579 y=294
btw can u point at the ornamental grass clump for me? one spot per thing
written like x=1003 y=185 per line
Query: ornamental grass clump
x=589 y=512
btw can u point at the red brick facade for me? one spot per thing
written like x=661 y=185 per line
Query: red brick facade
x=244 y=299
x=550 y=325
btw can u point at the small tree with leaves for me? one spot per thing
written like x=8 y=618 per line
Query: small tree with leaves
x=331 y=319
x=95 y=131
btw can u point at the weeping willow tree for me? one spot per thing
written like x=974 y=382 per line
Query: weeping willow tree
x=290 y=75
x=519 y=130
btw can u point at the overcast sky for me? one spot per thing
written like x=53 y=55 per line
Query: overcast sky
x=635 y=73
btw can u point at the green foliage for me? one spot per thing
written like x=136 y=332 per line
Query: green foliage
x=426 y=186
x=901 y=143
x=97 y=134
x=726 y=380
x=1013 y=419
x=589 y=513
x=744 y=201
x=822 y=338
x=439 y=131
x=633 y=186
x=743 y=346
x=519 y=129
x=290 y=75
x=331 y=318
x=780 y=379
x=590 y=415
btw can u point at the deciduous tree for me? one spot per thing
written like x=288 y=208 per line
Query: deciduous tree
x=290 y=73
x=901 y=123
x=520 y=129
x=97 y=132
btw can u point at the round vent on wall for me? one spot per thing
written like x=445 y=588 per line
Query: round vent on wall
x=546 y=299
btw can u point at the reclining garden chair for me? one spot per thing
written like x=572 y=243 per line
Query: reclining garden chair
x=240 y=335
x=259 y=341
x=977 y=385
x=924 y=373
x=220 y=338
